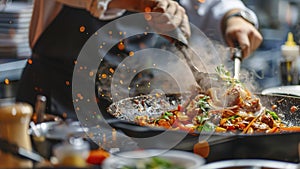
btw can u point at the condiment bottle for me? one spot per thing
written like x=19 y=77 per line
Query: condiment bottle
x=40 y=108
x=288 y=67
x=72 y=153
x=14 y=124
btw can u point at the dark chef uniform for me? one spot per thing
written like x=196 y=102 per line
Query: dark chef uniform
x=49 y=71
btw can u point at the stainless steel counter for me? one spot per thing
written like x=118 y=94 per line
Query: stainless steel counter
x=10 y=74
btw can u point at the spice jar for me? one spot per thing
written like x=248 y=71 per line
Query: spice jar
x=14 y=124
x=72 y=153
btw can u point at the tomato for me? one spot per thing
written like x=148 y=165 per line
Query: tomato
x=231 y=127
x=96 y=157
x=180 y=108
x=293 y=109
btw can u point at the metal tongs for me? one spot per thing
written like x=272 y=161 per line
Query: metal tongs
x=20 y=152
x=237 y=57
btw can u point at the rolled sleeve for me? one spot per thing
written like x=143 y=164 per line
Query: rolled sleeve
x=208 y=16
x=104 y=12
x=107 y=14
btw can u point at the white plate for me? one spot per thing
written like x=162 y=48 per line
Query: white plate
x=183 y=159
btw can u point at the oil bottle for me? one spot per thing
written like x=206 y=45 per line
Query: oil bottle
x=288 y=64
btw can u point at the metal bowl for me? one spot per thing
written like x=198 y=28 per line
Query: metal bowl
x=52 y=133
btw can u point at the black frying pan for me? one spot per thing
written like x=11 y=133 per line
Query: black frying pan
x=223 y=146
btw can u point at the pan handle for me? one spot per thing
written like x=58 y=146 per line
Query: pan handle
x=133 y=130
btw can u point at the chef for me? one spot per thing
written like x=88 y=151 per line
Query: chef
x=60 y=28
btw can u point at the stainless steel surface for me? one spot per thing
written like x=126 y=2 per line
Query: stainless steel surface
x=12 y=70
x=10 y=74
x=292 y=90
x=250 y=164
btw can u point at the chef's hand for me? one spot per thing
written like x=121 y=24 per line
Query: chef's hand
x=237 y=30
x=167 y=16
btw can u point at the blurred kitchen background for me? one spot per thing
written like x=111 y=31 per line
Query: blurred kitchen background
x=276 y=17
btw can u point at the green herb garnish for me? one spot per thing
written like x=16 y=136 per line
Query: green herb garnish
x=273 y=114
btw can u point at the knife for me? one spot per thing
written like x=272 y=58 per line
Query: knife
x=20 y=152
x=237 y=56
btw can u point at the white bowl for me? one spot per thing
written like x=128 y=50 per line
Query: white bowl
x=183 y=159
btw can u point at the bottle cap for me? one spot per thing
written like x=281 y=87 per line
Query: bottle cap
x=290 y=50
x=290 y=40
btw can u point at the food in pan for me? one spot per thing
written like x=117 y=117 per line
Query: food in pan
x=230 y=107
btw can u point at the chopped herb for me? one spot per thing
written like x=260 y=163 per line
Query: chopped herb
x=203 y=104
x=165 y=117
x=168 y=113
x=273 y=114
x=207 y=127
x=201 y=119
x=233 y=117
x=225 y=75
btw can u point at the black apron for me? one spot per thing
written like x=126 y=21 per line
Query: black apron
x=54 y=55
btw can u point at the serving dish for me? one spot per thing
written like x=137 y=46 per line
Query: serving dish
x=177 y=158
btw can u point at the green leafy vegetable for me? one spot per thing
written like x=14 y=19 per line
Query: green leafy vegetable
x=273 y=114
x=233 y=117
x=207 y=127
x=203 y=104
x=153 y=163
x=225 y=75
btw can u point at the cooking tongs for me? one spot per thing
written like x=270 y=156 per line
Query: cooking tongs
x=237 y=57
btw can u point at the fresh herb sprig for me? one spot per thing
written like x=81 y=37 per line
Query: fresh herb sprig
x=226 y=76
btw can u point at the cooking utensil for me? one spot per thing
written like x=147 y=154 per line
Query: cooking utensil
x=20 y=152
x=46 y=135
x=267 y=146
x=237 y=57
x=203 y=79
